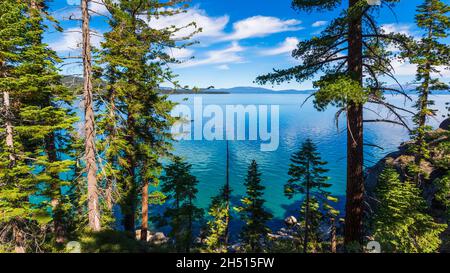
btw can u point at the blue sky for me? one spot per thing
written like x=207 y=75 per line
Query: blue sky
x=241 y=39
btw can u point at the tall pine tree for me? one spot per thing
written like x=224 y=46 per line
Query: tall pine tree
x=136 y=121
x=252 y=211
x=349 y=49
x=308 y=178
x=180 y=187
x=431 y=55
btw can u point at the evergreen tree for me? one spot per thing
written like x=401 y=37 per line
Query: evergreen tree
x=308 y=178
x=401 y=223
x=252 y=211
x=431 y=55
x=180 y=187
x=136 y=121
x=217 y=225
x=350 y=49
x=16 y=182
x=39 y=122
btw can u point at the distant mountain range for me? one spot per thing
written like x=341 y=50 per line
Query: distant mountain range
x=77 y=82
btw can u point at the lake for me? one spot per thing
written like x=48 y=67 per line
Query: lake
x=296 y=123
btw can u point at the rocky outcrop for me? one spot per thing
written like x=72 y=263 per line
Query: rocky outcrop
x=156 y=239
x=402 y=159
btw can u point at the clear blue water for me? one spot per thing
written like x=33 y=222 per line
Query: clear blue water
x=297 y=123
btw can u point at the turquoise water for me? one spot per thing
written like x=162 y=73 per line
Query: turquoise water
x=296 y=124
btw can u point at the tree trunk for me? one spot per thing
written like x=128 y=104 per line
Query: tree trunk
x=9 y=128
x=89 y=126
x=19 y=240
x=333 y=236
x=355 y=159
x=144 y=224
x=58 y=226
x=307 y=214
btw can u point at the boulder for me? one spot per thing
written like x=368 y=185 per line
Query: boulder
x=290 y=221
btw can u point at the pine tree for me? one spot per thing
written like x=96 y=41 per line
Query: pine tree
x=180 y=187
x=401 y=223
x=136 y=121
x=351 y=47
x=431 y=55
x=308 y=178
x=16 y=181
x=252 y=211
x=41 y=126
x=217 y=225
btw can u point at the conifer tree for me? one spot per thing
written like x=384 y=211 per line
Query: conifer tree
x=180 y=188
x=41 y=122
x=16 y=181
x=401 y=223
x=252 y=211
x=350 y=49
x=48 y=119
x=217 y=225
x=431 y=55
x=136 y=122
x=307 y=174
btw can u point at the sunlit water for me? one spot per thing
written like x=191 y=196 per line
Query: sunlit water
x=208 y=158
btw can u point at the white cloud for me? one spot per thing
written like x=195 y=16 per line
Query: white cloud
x=97 y=8
x=71 y=40
x=397 y=28
x=223 y=56
x=211 y=26
x=285 y=47
x=223 y=67
x=261 y=26
x=404 y=68
x=180 y=53
x=319 y=23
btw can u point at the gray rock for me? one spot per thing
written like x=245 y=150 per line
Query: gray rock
x=290 y=221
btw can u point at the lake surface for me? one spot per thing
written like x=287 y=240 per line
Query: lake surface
x=296 y=123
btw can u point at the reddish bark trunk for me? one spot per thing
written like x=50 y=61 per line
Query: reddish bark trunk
x=89 y=126
x=144 y=224
x=355 y=177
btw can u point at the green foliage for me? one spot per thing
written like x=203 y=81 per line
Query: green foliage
x=217 y=225
x=31 y=185
x=307 y=178
x=338 y=91
x=401 y=223
x=442 y=194
x=110 y=241
x=181 y=213
x=431 y=55
x=136 y=122
x=252 y=211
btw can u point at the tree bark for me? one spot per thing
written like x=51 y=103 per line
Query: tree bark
x=19 y=240
x=9 y=128
x=89 y=126
x=144 y=224
x=307 y=214
x=333 y=236
x=355 y=159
